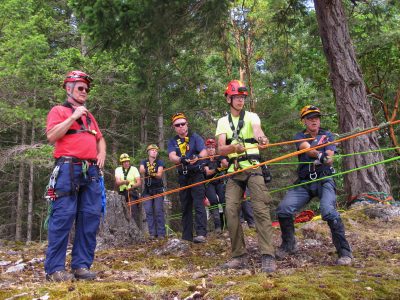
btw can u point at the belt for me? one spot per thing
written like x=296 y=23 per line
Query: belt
x=75 y=161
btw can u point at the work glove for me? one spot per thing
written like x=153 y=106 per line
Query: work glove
x=184 y=161
x=323 y=158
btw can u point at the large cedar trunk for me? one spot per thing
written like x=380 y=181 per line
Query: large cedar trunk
x=353 y=108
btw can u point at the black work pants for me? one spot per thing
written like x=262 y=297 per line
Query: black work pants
x=192 y=198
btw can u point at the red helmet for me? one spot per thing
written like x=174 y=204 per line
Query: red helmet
x=210 y=142
x=76 y=76
x=236 y=87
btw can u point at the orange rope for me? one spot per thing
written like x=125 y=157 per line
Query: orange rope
x=263 y=163
x=384 y=201
x=252 y=147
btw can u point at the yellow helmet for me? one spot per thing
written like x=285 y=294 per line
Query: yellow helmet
x=124 y=157
x=152 y=146
x=177 y=116
x=309 y=111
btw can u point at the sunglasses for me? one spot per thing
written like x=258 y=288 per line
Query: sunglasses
x=180 y=124
x=81 y=89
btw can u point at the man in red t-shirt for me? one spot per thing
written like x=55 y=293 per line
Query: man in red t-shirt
x=80 y=152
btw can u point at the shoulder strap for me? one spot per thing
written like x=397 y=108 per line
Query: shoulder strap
x=126 y=173
x=236 y=131
x=79 y=121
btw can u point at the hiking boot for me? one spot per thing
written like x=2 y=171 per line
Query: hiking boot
x=282 y=252
x=268 y=263
x=288 y=245
x=199 y=239
x=252 y=225
x=84 y=274
x=344 y=261
x=59 y=276
x=342 y=246
x=239 y=262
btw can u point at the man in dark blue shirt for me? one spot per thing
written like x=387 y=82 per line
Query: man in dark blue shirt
x=316 y=164
x=184 y=150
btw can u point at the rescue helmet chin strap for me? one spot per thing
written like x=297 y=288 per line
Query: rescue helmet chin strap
x=70 y=94
x=231 y=104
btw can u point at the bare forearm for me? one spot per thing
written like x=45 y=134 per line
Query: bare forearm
x=59 y=130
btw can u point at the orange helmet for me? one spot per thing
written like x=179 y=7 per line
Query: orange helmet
x=310 y=111
x=236 y=87
x=176 y=116
x=210 y=142
x=76 y=76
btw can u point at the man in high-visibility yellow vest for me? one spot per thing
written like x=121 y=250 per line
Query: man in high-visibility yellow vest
x=239 y=137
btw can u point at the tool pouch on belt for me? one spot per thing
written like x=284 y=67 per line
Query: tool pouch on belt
x=266 y=174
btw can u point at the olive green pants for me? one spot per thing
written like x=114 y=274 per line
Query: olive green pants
x=261 y=201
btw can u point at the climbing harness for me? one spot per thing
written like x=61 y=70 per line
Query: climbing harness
x=83 y=128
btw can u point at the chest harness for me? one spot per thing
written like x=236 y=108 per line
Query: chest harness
x=151 y=170
x=251 y=158
x=317 y=169
x=236 y=136
x=80 y=122
x=183 y=145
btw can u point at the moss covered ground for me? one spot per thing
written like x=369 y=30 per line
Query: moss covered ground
x=136 y=272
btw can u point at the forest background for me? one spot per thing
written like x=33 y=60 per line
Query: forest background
x=150 y=59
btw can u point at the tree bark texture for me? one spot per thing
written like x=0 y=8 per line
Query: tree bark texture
x=117 y=228
x=353 y=108
x=30 y=190
x=21 y=190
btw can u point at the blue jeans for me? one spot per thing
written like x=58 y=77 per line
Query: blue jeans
x=81 y=203
x=155 y=213
x=298 y=197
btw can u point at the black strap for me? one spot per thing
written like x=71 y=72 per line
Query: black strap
x=126 y=173
x=235 y=131
x=79 y=121
x=245 y=157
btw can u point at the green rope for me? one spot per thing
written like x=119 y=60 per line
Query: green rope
x=336 y=156
x=49 y=211
x=178 y=215
x=337 y=174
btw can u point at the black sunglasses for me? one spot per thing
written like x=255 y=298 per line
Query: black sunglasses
x=81 y=89
x=180 y=124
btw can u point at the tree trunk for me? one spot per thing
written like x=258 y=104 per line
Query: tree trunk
x=351 y=100
x=143 y=126
x=30 y=204
x=21 y=190
x=160 y=120
x=31 y=192
x=117 y=228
